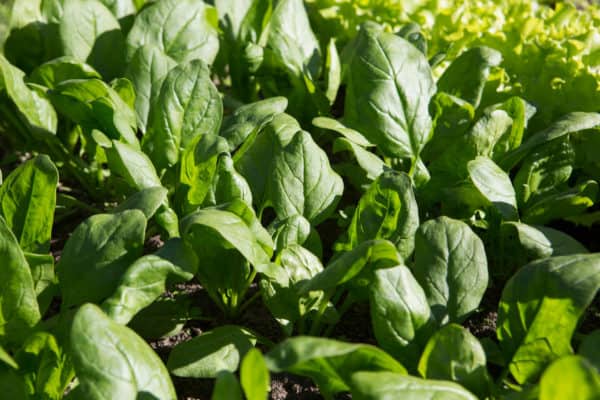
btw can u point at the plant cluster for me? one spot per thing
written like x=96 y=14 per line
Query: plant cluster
x=374 y=164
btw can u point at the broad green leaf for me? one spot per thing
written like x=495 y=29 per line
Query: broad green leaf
x=205 y=356
x=452 y=353
x=132 y=165
x=359 y=262
x=539 y=241
x=93 y=104
x=184 y=30
x=46 y=367
x=348 y=133
x=146 y=279
x=44 y=278
x=112 y=362
x=288 y=171
x=295 y=230
x=188 y=105
x=389 y=386
x=468 y=74
x=570 y=377
x=400 y=315
x=146 y=200
x=389 y=86
x=61 y=69
x=590 y=349
x=228 y=185
x=97 y=255
x=91 y=33
x=494 y=185
x=165 y=317
x=363 y=169
x=254 y=376
x=231 y=15
x=248 y=119
x=388 y=210
x=451 y=266
x=36 y=109
x=120 y=8
x=226 y=387
x=566 y=125
x=27 y=202
x=19 y=310
x=330 y=363
x=199 y=163
x=539 y=310
x=147 y=70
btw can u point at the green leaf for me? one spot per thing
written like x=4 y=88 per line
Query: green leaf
x=147 y=201
x=468 y=74
x=97 y=255
x=539 y=310
x=61 y=69
x=254 y=376
x=388 y=386
x=132 y=165
x=288 y=171
x=330 y=363
x=452 y=353
x=590 y=349
x=249 y=119
x=19 y=310
x=494 y=185
x=111 y=361
x=184 y=30
x=93 y=104
x=228 y=185
x=359 y=262
x=348 y=133
x=146 y=279
x=27 y=202
x=36 y=109
x=163 y=318
x=389 y=86
x=7 y=359
x=44 y=278
x=147 y=70
x=45 y=366
x=568 y=124
x=91 y=33
x=188 y=105
x=207 y=355
x=451 y=266
x=400 y=315
x=570 y=377
x=388 y=210
x=227 y=387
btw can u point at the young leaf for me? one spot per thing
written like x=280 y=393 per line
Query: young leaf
x=19 y=310
x=451 y=266
x=389 y=86
x=111 y=361
x=388 y=210
x=539 y=310
x=330 y=363
x=91 y=33
x=147 y=201
x=27 y=202
x=207 y=355
x=467 y=75
x=494 y=185
x=146 y=279
x=61 y=69
x=188 y=105
x=227 y=387
x=44 y=278
x=400 y=314
x=288 y=171
x=184 y=30
x=98 y=253
x=570 y=377
x=388 y=385
x=452 y=353
x=254 y=376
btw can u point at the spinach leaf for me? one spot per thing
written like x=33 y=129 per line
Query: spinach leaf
x=207 y=355
x=454 y=354
x=451 y=266
x=27 y=201
x=330 y=363
x=254 y=376
x=19 y=311
x=97 y=255
x=389 y=86
x=590 y=349
x=494 y=185
x=227 y=387
x=570 y=377
x=61 y=69
x=98 y=343
x=539 y=310
x=400 y=315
